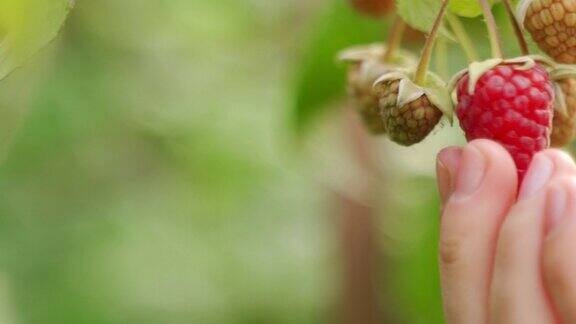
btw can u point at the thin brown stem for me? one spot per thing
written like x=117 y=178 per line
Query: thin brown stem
x=426 y=55
x=394 y=38
x=517 y=29
x=495 y=40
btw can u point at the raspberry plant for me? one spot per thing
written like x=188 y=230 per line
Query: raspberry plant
x=404 y=95
x=518 y=95
x=525 y=101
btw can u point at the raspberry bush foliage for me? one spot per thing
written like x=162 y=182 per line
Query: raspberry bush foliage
x=26 y=26
x=518 y=95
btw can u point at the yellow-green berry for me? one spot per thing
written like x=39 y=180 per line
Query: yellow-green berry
x=564 y=122
x=552 y=24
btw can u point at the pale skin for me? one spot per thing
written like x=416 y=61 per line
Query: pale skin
x=507 y=254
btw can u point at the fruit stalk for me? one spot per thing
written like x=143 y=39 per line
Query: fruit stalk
x=462 y=36
x=395 y=38
x=517 y=30
x=495 y=41
x=422 y=70
x=441 y=58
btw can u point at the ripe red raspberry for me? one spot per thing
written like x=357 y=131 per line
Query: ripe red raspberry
x=510 y=105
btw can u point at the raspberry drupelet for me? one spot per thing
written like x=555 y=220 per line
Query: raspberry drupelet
x=510 y=105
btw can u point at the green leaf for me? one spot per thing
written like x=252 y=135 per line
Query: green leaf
x=466 y=8
x=320 y=80
x=471 y=8
x=420 y=14
x=26 y=26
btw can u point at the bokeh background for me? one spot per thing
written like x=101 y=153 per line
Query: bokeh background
x=197 y=162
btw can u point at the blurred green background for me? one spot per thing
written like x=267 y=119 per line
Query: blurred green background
x=175 y=162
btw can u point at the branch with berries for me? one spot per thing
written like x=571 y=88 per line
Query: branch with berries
x=525 y=103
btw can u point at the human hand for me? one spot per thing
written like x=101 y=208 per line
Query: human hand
x=507 y=256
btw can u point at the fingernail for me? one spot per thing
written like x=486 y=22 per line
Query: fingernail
x=538 y=174
x=446 y=168
x=557 y=201
x=470 y=173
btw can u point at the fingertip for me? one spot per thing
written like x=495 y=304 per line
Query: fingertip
x=556 y=203
x=560 y=206
x=559 y=155
x=558 y=262
x=545 y=166
x=564 y=163
x=501 y=175
x=537 y=176
x=447 y=164
x=450 y=157
x=487 y=144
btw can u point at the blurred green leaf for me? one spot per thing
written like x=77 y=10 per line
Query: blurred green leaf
x=320 y=80
x=420 y=14
x=466 y=8
x=470 y=8
x=26 y=26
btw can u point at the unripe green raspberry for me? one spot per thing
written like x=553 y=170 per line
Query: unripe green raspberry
x=361 y=77
x=552 y=24
x=564 y=123
x=408 y=124
x=365 y=67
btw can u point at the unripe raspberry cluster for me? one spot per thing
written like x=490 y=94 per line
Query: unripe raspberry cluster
x=392 y=97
